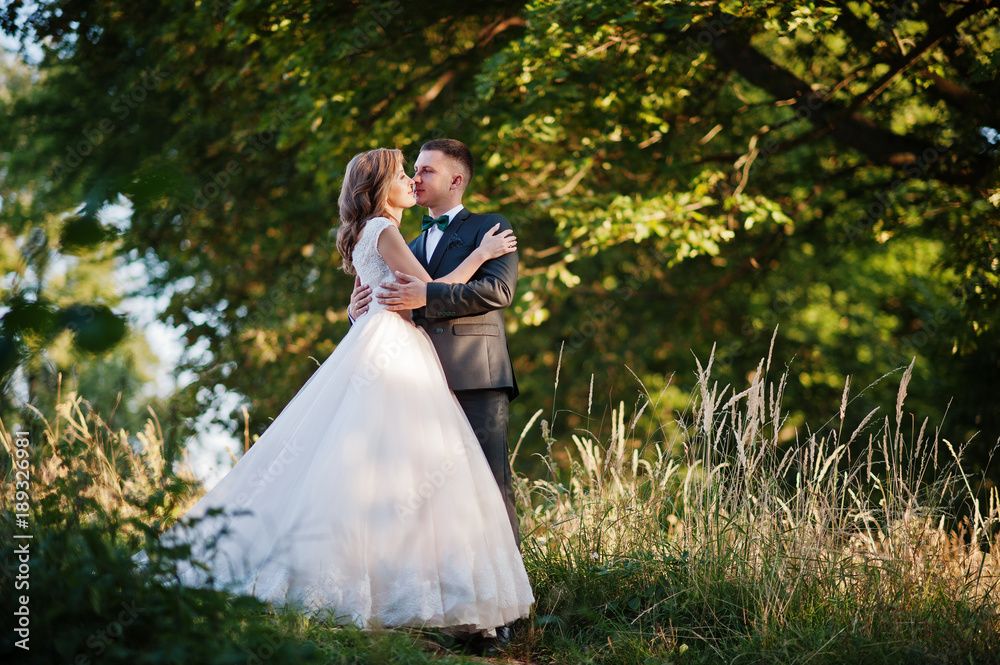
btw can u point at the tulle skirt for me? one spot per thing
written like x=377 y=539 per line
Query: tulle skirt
x=368 y=498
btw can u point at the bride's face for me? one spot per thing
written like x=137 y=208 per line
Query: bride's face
x=401 y=190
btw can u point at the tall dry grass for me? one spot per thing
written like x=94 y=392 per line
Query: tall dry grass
x=715 y=534
x=714 y=537
x=96 y=496
x=108 y=471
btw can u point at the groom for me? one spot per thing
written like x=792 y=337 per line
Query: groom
x=465 y=321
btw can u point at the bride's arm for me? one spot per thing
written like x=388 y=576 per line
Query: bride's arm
x=400 y=259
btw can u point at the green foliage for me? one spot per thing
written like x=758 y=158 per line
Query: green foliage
x=61 y=328
x=708 y=542
x=92 y=502
x=704 y=541
x=679 y=174
x=88 y=606
x=60 y=333
x=33 y=319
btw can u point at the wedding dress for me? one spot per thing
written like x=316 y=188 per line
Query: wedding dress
x=368 y=496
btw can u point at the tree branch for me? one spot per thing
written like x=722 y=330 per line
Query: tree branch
x=911 y=58
x=844 y=123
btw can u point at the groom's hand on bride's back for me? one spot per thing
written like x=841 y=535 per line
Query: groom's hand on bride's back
x=360 y=297
x=406 y=293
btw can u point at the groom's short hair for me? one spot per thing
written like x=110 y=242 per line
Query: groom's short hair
x=457 y=151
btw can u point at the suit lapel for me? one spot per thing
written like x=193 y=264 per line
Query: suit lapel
x=419 y=247
x=442 y=245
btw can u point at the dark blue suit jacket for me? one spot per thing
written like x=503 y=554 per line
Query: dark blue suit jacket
x=465 y=321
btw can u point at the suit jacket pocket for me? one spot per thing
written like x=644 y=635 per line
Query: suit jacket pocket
x=490 y=329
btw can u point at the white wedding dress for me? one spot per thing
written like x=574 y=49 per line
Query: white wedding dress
x=369 y=496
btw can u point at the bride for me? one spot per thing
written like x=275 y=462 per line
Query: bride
x=368 y=497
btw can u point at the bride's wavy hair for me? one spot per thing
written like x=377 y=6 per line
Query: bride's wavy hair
x=363 y=196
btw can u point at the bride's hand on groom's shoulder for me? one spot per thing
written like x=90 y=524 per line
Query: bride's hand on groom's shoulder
x=496 y=243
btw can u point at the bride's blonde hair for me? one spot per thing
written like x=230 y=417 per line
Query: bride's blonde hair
x=363 y=196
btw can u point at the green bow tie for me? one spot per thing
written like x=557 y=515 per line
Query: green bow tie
x=428 y=222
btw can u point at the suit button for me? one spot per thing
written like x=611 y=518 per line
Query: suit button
x=439 y=330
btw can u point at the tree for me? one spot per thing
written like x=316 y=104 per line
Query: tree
x=678 y=174
x=59 y=331
x=712 y=170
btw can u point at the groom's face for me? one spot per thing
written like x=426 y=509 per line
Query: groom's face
x=433 y=178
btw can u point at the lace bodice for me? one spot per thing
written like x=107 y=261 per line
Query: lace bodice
x=368 y=263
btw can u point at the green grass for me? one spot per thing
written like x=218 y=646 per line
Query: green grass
x=716 y=541
x=723 y=536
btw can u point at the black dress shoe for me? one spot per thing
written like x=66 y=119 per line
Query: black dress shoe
x=478 y=645
x=491 y=646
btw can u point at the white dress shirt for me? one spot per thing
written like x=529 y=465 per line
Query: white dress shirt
x=434 y=233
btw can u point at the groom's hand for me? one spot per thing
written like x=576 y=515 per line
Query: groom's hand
x=360 y=297
x=407 y=293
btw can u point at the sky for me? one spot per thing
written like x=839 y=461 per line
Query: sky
x=210 y=453
x=33 y=53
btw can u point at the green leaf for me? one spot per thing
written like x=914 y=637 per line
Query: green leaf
x=81 y=232
x=95 y=327
x=28 y=316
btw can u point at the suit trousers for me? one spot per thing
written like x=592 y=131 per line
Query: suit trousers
x=487 y=411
